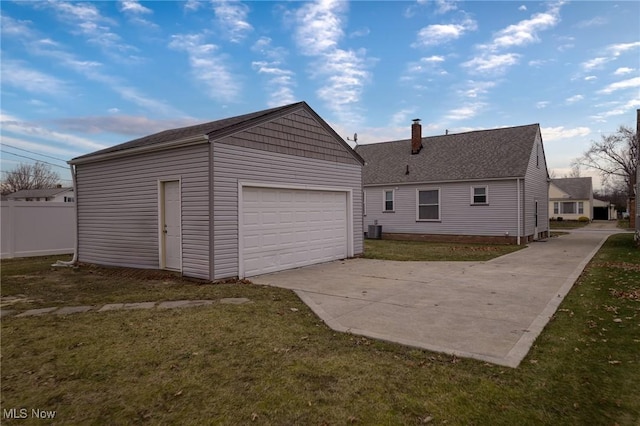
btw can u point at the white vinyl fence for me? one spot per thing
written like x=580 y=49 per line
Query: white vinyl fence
x=31 y=228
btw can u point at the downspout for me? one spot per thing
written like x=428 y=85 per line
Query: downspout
x=519 y=210
x=74 y=260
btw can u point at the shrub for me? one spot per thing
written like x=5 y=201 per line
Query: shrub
x=583 y=219
x=559 y=219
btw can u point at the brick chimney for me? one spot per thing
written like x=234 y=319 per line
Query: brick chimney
x=416 y=136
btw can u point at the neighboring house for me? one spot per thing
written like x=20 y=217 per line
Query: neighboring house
x=241 y=196
x=489 y=185
x=571 y=198
x=59 y=194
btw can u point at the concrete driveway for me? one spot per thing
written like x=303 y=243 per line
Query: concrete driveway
x=491 y=311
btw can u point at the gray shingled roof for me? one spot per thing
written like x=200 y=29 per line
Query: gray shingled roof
x=483 y=154
x=578 y=188
x=210 y=129
x=38 y=193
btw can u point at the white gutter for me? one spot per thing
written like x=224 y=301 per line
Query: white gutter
x=519 y=207
x=74 y=260
x=179 y=143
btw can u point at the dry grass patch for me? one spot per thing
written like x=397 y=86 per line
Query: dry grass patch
x=273 y=362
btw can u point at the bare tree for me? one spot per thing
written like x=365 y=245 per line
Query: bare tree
x=615 y=157
x=30 y=176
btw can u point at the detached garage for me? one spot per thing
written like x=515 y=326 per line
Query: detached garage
x=238 y=197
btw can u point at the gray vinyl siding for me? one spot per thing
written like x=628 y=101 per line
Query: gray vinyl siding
x=536 y=187
x=118 y=209
x=296 y=134
x=457 y=215
x=231 y=163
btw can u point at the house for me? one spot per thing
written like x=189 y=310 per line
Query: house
x=571 y=198
x=236 y=197
x=59 y=194
x=485 y=186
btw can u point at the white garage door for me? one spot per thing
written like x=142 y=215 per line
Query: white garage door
x=289 y=228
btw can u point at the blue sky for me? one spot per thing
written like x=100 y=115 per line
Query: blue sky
x=80 y=76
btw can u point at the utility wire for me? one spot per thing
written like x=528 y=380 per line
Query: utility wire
x=34 y=159
x=32 y=152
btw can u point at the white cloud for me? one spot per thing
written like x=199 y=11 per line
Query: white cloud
x=207 y=66
x=595 y=63
x=620 y=48
x=92 y=71
x=542 y=104
x=593 y=22
x=526 y=31
x=522 y=8
x=465 y=112
x=621 y=85
x=590 y=78
x=491 y=64
x=401 y=118
x=444 y=6
x=436 y=34
x=10 y=26
x=574 y=99
x=15 y=125
x=362 y=32
x=113 y=110
x=133 y=6
x=623 y=71
x=344 y=72
x=232 y=17
x=14 y=73
x=617 y=108
x=264 y=47
x=86 y=20
x=280 y=82
x=556 y=133
x=192 y=5
x=477 y=88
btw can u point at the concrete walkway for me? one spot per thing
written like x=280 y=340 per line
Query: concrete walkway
x=68 y=310
x=491 y=311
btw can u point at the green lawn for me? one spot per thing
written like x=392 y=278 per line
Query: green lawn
x=431 y=251
x=273 y=362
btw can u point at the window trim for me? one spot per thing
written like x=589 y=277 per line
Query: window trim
x=439 y=219
x=556 y=207
x=486 y=195
x=384 y=200
x=580 y=206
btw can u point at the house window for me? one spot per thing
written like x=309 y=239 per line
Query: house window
x=479 y=195
x=580 y=207
x=429 y=204
x=556 y=208
x=569 y=208
x=388 y=200
x=538 y=155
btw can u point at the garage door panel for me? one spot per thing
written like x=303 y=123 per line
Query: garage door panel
x=285 y=228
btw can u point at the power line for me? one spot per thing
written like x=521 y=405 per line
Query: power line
x=35 y=159
x=32 y=152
